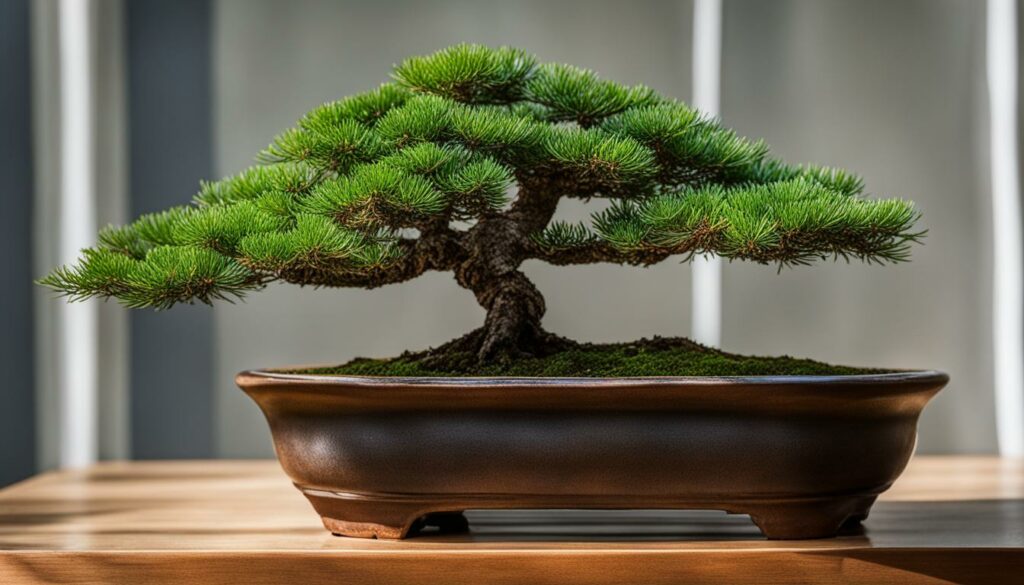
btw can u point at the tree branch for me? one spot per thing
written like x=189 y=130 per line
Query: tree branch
x=438 y=248
x=594 y=253
x=535 y=204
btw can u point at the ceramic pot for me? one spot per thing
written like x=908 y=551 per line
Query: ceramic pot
x=802 y=455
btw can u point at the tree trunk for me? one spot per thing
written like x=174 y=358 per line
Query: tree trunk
x=514 y=310
x=494 y=250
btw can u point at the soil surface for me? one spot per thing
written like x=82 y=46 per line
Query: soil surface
x=647 y=357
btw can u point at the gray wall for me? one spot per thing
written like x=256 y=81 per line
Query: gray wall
x=892 y=90
x=170 y=109
x=17 y=415
x=895 y=91
x=110 y=155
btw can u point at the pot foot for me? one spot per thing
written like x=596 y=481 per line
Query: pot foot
x=366 y=529
x=397 y=527
x=363 y=518
x=811 y=519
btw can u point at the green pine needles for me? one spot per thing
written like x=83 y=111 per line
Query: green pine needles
x=458 y=164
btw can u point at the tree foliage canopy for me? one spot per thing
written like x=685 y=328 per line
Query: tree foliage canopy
x=371 y=189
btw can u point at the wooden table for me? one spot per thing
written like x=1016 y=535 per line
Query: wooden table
x=948 y=519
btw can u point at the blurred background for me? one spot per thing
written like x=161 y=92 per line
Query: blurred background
x=193 y=89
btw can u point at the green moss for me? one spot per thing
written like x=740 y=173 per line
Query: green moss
x=655 y=357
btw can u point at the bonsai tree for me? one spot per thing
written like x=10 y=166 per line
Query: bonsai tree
x=459 y=165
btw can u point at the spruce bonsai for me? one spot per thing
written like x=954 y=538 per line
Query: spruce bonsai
x=458 y=165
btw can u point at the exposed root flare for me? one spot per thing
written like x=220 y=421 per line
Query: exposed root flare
x=490 y=347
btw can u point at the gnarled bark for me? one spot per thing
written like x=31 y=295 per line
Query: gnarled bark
x=493 y=251
x=514 y=310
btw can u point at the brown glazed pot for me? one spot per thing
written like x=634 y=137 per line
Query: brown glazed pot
x=802 y=455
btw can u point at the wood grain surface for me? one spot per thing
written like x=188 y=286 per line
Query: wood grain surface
x=947 y=520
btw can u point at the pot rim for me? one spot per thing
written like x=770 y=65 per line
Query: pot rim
x=894 y=377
